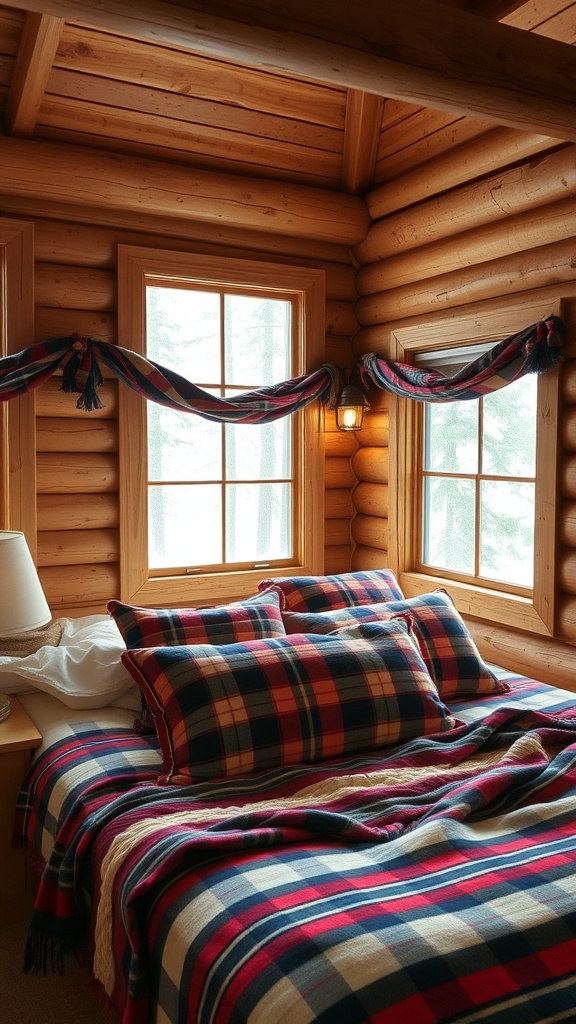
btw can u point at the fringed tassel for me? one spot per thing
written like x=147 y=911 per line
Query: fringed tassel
x=337 y=382
x=43 y=953
x=545 y=349
x=82 y=374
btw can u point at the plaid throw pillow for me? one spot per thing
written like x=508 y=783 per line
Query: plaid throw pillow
x=252 y=619
x=247 y=707
x=321 y=593
x=449 y=651
x=257 y=617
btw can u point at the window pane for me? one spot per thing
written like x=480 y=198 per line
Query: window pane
x=507 y=532
x=258 y=452
x=258 y=522
x=509 y=434
x=448 y=540
x=184 y=525
x=451 y=437
x=183 y=332
x=182 y=446
x=258 y=342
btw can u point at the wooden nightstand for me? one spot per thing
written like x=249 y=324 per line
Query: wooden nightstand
x=18 y=738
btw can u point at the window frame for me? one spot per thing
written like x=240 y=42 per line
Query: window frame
x=535 y=613
x=138 y=583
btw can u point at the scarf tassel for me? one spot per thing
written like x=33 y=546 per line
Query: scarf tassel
x=82 y=375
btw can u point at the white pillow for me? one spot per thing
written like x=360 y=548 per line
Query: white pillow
x=83 y=671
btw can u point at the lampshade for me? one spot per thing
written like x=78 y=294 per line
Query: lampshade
x=350 y=408
x=23 y=605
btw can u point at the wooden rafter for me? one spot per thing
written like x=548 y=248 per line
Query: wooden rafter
x=36 y=54
x=361 y=134
x=420 y=51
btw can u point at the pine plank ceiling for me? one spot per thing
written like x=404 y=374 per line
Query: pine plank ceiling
x=70 y=78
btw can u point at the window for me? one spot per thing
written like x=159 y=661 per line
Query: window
x=474 y=486
x=478 y=487
x=212 y=508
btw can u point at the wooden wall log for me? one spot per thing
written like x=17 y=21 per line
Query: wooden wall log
x=52 y=402
x=551 y=179
x=527 y=230
x=86 y=511
x=73 y=547
x=171 y=232
x=70 y=473
x=55 y=322
x=340 y=318
x=336 y=559
x=368 y=558
x=71 y=588
x=371 y=499
x=67 y=434
x=568 y=428
x=338 y=473
x=339 y=444
x=566 y=570
x=371 y=464
x=370 y=531
x=337 y=533
x=569 y=381
x=567 y=618
x=83 y=288
x=338 y=503
x=551 y=661
x=536 y=268
x=35 y=169
x=476 y=158
x=567 y=476
x=567 y=524
x=375 y=429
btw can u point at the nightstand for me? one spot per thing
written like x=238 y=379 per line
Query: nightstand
x=18 y=738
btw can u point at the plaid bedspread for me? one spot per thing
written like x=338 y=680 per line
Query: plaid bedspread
x=433 y=883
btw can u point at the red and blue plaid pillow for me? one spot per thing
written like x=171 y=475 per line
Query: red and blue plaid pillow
x=449 y=651
x=248 y=707
x=252 y=619
x=322 y=593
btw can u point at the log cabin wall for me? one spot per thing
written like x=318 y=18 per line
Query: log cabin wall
x=77 y=452
x=463 y=230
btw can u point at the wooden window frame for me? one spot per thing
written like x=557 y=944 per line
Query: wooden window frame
x=17 y=417
x=533 y=614
x=139 y=584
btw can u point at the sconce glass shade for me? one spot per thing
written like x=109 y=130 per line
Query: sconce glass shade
x=23 y=605
x=350 y=408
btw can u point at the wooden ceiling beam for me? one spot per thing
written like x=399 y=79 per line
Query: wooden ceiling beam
x=30 y=168
x=419 y=51
x=34 y=62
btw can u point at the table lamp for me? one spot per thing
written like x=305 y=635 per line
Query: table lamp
x=24 y=612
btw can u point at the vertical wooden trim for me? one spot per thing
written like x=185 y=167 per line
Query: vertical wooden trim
x=18 y=477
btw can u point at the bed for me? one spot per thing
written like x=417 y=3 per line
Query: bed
x=427 y=877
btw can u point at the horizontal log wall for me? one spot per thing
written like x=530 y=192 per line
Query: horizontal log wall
x=77 y=452
x=446 y=238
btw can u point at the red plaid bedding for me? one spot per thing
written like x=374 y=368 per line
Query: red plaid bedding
x=434 y=882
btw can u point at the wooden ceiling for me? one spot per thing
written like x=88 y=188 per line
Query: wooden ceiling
x=68 y=74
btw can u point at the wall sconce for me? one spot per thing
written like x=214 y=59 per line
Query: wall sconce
x=350 y=407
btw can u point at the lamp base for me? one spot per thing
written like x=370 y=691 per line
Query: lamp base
x=20 y=645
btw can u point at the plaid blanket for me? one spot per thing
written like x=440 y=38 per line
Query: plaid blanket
x=435 y=881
